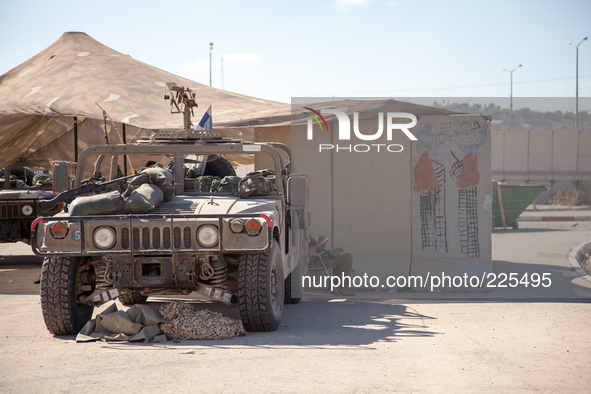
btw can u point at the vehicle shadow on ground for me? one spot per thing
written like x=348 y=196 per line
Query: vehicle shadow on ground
x=320 y=323
x=539 y=282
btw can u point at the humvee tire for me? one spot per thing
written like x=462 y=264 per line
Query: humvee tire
x=261 y=289
x=133 y=298
x=288 y=297
x=62 y=313
x=219 y=166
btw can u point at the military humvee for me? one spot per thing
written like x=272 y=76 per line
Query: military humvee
x=246 y=250
x=19 y=207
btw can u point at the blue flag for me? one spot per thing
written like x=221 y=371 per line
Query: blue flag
x=206 y=122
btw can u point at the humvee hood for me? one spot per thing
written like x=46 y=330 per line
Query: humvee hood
x=25 y=194
x=233 y=205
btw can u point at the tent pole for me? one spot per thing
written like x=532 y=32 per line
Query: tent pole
x=75 y=138
x=7 y=177
x=124 y=157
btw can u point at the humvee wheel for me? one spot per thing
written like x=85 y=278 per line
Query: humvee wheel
x=133 y=298
x=288 y=292
x=261 y=289
x=62 y=313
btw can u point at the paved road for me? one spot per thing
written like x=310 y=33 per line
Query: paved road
x=522 y=340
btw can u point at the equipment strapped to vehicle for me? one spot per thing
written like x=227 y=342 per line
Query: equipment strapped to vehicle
x=256 y=185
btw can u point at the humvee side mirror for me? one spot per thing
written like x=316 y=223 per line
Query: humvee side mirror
x=297 y=191
x=60 y=177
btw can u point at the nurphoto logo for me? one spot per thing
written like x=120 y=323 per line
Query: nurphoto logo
x=345 y=130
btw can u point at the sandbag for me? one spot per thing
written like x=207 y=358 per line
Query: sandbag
x=228 y=184
x=168 y=192
x=256 y=185
x=99 y=204
x=207 y=183
x=144 y=199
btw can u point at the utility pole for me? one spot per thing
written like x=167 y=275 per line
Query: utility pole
x=210 y=49
x=511 y=103
x=577 y=93
x=222 y=72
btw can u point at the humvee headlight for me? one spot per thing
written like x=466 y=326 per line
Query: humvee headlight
x=253 y=227
x=207 y=235
x=59 y=230
x=237 y=225
x=104 y=237
x=27 y=210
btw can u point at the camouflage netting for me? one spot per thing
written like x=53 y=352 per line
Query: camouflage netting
x=188 y=324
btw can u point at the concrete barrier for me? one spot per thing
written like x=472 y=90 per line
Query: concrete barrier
x=557 y=159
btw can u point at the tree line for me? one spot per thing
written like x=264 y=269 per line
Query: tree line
x=523 y=118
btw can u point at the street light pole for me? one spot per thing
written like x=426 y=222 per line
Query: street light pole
x=210 y=49
x=511 y=102
x=577 y=93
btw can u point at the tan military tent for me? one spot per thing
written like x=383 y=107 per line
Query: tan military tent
x=43 y=98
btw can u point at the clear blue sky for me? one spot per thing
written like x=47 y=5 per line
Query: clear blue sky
x=279 y=49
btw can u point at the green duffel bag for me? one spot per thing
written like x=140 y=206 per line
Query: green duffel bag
x=135 y=183
x=256 y=185
x=39 y=180
x=144 y=199
x=158 y=176
x=100 y=204
x=168 y=192
x=266 y=172
x=229 y=184
x=207 y=184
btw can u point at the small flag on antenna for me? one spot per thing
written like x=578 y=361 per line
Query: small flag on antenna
x=206 y=122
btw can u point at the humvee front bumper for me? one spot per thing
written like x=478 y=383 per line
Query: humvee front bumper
x=147 y=235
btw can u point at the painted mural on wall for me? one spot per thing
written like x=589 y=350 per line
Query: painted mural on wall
x=448 y=186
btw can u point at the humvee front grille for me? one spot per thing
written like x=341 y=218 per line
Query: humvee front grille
x=166 y=237
x=187 y=237
x=146 y=238
x=177 y=237
x=157 y=238
x=136 y=238
x=10 y=211
x=125 y=238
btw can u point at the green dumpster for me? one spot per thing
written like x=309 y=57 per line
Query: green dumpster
x=514 y=201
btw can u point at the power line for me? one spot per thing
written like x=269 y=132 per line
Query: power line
x=437 y=88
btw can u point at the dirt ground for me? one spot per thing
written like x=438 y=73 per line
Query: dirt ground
x=519 y=341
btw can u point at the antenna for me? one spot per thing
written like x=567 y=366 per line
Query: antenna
x=222 y=72
x=105 y=116
x=255 y=130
